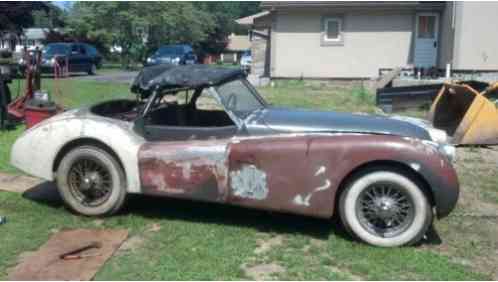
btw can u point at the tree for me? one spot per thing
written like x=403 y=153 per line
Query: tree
x=52 y=18
x=138 y=27
x=14 y=16
x=225 y=14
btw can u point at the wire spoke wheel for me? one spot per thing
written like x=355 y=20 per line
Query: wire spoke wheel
x=385 y=209
x=90 y=181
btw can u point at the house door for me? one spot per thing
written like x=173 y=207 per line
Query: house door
x=426 y=39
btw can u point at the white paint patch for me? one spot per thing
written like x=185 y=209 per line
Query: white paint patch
x=323 y=187
x=305 y=200
x=249 y=182
x=302 y=201
x=186 y=168
x=320 y=170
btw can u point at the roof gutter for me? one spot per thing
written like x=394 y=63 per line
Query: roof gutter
x=287 y=5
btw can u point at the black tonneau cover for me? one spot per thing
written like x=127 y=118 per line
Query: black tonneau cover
x=170 y=76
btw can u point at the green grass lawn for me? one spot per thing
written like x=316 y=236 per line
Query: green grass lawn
x=182 y=240
x=298 y=94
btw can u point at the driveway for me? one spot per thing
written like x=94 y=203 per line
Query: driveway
x=117 y=76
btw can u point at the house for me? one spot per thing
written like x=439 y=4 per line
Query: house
x=349 y=40
x=30 y=37
x=237 y=44
x=259 y=36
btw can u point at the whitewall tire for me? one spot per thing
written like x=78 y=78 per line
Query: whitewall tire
x=385 y=209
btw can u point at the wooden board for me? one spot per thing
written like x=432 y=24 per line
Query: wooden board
x=45 y=263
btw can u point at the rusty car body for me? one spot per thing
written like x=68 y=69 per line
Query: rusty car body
x=245 y=153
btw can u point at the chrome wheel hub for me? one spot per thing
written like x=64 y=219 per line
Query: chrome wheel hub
x=385 y=209
x=90 y=182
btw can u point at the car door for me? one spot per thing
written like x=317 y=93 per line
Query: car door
x=184 y=160
x=271 y=171
x=75 y=58
x=85 y=59
x=281 y=173
x=93 y=55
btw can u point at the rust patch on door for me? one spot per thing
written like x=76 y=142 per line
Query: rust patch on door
x=195 y=170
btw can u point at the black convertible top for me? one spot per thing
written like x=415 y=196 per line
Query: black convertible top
x=166 y=76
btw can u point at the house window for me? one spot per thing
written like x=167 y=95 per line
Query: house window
x=332 y=31
x=426 y=26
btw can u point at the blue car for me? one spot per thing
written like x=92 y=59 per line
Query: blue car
x=181 y=54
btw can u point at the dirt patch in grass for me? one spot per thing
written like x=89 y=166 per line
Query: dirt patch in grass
x=131 y=244
x=262 y=272
x=346 y=272
x=155 y=227
x=137 y=241
x=266 y=245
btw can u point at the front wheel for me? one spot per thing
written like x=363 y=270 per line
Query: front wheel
x=91 y=181
x=385 y=208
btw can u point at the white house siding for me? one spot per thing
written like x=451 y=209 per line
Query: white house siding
x=446 y=36
x=476 y=43
x=372 y=40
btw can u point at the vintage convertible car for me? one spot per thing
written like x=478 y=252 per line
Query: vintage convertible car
x=204 y=133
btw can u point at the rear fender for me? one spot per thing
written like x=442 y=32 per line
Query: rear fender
x=36 y=150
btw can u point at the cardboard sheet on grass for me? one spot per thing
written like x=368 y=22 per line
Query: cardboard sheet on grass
x=46 y=264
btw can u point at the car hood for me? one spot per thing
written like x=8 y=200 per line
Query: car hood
x=292 y=120
x=164 y=57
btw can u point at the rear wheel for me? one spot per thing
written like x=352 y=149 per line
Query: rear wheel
x=91 y=181
x=385 y=208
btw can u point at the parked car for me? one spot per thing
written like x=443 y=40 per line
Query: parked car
x=383 y=176
x=181 y=54
x=246 y=61
x=81 y=57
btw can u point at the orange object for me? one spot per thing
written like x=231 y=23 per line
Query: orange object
x=465 y=114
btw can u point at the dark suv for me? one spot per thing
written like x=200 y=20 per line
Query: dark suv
x=81 y=57
x=181 y=54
